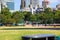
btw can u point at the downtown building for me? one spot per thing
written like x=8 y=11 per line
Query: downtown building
x=8 y=4
x=58 y=6
x=24 y=5
x=28 y=5
x=45 y=4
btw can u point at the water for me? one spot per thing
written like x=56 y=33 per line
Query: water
x=58 y=38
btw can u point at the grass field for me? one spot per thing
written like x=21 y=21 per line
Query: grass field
x=17 y=34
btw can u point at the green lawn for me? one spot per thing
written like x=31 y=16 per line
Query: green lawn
x=17 y=34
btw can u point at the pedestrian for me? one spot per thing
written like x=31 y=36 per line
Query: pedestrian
x=54 y=25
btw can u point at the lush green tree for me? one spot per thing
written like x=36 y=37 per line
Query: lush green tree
x=1 y=16
x=27 y=16
x=17 y=16
x=33 y=18
x=57 y=16
x=38 y=17
x=48 y=10
x=6 y=16
x=50 y=15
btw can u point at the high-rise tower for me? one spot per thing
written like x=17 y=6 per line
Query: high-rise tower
x=22 y=4
x=10 y=4
x=45 y=3
x=7 y=3
x=34 y=3
x=58 y=6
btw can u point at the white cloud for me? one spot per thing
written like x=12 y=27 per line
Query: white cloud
x=54 y=1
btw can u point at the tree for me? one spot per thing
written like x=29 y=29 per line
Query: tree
x=48 y=10
x=50 y=15
x=6 y=16
x=27 y=16
x=33 y=18
x=44 y=17
x=1 y=16
x=57 y=16
x=17 y=16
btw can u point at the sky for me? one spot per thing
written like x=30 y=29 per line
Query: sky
x=53 y=3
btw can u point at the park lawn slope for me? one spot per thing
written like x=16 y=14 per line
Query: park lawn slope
x=17 y=34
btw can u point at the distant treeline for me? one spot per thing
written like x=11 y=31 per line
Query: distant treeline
x=46 y=17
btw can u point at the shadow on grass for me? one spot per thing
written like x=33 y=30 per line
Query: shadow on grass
x=30 y=29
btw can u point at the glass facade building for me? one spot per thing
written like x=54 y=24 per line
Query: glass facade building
x=7 y=3
x=34 y=3
x=10 y=5
x=27 y=3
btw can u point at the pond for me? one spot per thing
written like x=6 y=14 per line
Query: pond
x=58 y=38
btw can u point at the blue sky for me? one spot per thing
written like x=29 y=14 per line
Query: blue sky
x=53 y=3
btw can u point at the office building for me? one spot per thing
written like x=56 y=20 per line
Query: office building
x=7 y=3
x=10 y=4
x=34 y=3
x=45 y=3
x=27 y=3
x=2 y=4
x=58 y=7
x=22 y=4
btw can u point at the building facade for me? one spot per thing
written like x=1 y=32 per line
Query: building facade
x=34 y=3
x=10 y=4
x=22 y=4
x=7 y=3
x=28 y=5
x=58 y=7
x=45 y=3
x=0 y=6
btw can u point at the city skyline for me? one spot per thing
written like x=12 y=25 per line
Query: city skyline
x=7 y=3
x=53 y=3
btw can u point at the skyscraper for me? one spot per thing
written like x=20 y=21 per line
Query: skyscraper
x=7 y=3
x=22 y=4
x=2 y=4
x=34 y=3
x=45 y=3
x=10 y=4
x=27 y=3
x=58 y=6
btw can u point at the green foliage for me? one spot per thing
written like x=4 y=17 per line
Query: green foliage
x=17 y=16
x=6 y=15
x=48 y=10
x=57 y=14
x=33 y=17
x=27 y=16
